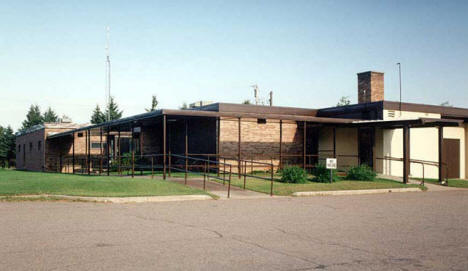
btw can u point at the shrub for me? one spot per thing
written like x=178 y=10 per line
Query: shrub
x=322 y=174
x=361 y=173
x=293 y=175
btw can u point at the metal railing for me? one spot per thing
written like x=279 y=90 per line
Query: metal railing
x=420 y=162
x=204 y=166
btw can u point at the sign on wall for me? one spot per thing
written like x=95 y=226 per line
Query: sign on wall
x=331 y=163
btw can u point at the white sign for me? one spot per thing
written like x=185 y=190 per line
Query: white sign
x=331 y=163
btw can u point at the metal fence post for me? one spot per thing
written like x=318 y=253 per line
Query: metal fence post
x=224 y=171
x=245 y=172
x=186 y=170
x=133 y=163
x=204 y=177
x=229 y=183
x=152 y=167
x=272 y=176
x=170 y=163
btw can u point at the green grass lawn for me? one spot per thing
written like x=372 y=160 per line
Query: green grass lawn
x=451 y=182
x=284 y=189
x=14 y=182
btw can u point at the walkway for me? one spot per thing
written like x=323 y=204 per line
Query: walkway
x=219 y=189
x=430 y=186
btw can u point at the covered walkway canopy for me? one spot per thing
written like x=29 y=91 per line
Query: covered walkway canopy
x=160 y=117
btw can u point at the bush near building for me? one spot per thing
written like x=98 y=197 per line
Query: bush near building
x=293 y=174
x=322 y=174
x=361 y=173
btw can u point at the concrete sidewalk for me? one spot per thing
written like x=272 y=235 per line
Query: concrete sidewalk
x=430 y=186
x=220 y=190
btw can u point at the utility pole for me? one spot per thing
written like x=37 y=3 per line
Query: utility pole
x=108 y=73
x=271 y=98
x=399 y=72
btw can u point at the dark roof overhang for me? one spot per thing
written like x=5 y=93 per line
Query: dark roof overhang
x=412 y=123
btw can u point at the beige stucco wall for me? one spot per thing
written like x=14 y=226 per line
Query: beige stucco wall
x=423 y=146
x=346 y=146
x=466 y=151
x=408 y=115
x=379 y=150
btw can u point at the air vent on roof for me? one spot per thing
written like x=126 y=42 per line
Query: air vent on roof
x=391 y=114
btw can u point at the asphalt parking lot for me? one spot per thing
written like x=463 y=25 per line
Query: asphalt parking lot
x=401 y=231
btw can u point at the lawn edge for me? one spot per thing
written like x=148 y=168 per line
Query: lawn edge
x=141 y=199
x=355 y=192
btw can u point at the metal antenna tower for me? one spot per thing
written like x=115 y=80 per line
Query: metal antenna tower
x=108 y=73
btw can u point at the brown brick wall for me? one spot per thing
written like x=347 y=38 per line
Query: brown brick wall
x=370 y=87
x=260 y=142
x=30 y=158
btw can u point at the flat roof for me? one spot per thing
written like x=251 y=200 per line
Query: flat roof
x=260 y=109
x=444 y=111
x=201 y=113
x=420 y=122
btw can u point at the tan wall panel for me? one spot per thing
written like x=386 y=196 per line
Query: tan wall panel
x=346 y=145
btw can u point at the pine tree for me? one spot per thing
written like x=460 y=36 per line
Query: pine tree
x=154 y=104
x=7 y=145
x=97 y=116
x=33 y=117
x=3 y=150
x=113 y=111
x=10 y=142
x=50 y=116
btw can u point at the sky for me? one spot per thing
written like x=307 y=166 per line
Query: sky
x=52 y=53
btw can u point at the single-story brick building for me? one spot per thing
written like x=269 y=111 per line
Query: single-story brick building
x=399 y=139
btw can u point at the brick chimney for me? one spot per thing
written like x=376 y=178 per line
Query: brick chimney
x=370 y=87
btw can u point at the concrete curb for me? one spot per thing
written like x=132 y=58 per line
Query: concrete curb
x=118 y=199
x=354 y=192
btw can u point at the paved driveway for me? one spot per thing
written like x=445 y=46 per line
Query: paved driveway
x=407 y=231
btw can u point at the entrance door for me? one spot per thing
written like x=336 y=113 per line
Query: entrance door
x=451 y=157
x=366 y=144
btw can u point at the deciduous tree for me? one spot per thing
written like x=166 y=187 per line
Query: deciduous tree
x=344 y=101
x=154 y=104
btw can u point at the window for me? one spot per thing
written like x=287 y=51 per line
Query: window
x=261 y=121
x=19 y=148
x=30 y=146
x=80 y=134
x=39 y=145
x=95 y=145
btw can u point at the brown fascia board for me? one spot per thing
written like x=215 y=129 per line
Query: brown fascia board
x=445 y=111
x=260 y=109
